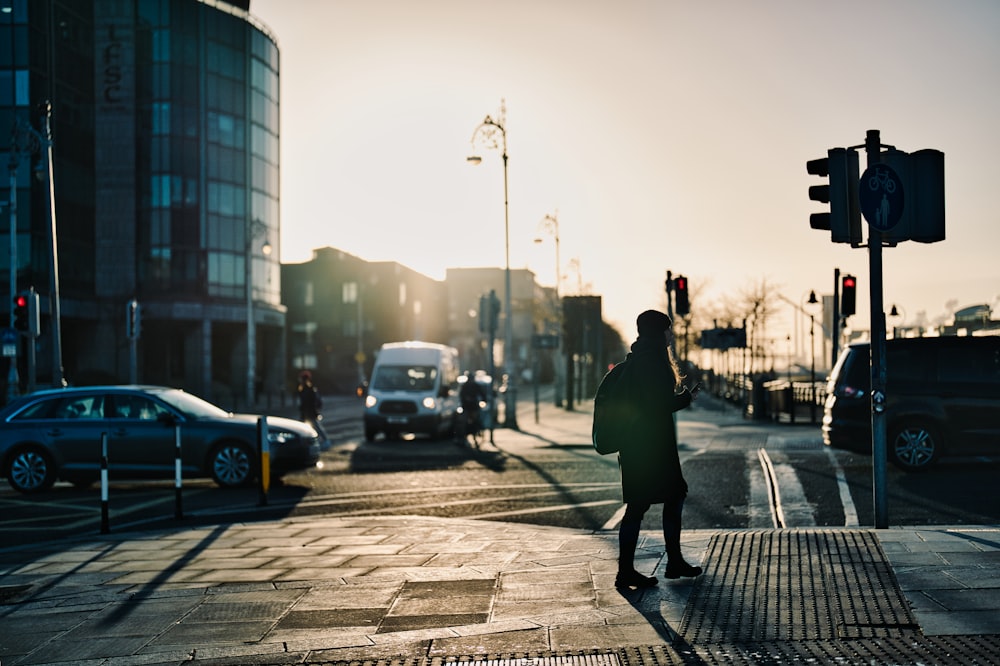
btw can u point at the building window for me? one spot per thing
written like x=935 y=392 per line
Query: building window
x=350 y=292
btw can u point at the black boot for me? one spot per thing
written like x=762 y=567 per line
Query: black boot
x=628 y=539
x=677 y=566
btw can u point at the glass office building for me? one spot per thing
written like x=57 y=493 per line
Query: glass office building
x=164 y=117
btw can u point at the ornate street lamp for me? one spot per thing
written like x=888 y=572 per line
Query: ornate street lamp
x=550 y=224
x=493 y=135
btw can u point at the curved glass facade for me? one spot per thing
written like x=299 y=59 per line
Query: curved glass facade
x=207 y=101
x=166 y=171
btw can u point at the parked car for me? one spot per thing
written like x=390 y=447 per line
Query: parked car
x=56 y=434
x=942 y=398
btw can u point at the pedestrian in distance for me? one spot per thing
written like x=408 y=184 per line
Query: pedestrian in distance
x=648 y=457
x=310 y=406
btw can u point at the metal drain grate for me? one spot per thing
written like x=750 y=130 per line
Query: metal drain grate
x=572 y=660
x=795 y=585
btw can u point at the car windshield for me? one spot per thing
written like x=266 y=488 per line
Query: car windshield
x=405 y=378
x=190 y=405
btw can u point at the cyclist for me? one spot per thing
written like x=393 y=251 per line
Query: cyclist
x=471 y=395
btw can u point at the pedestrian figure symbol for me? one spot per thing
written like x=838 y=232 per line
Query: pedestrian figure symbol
x=880 y=196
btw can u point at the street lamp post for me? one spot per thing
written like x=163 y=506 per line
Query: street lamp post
x=894 y=313
x=550 y=224
x=488 y=131
x=255 y=228
x=57 y=365
x=812 y=345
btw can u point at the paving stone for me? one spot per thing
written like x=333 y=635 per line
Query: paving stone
x=393 y=623
x=448 y=588
x=504 y=642
x=196 y=633
x=325 y=619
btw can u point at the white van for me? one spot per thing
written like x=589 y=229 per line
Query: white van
x=413 y=389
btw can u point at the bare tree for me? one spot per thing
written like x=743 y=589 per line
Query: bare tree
x=758 y=302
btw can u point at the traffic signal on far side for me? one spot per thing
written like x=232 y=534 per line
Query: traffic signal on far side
x=489 y=312
x=681 y=291
x=21 y=312
x=848 y=295
x=843 y=221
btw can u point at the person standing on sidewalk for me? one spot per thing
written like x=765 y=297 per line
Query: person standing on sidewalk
x=650 y=464
x=310 y=405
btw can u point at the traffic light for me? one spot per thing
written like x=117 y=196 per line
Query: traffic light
x=489 y=312
x=681 y=293
x=848 y=295
x=922 y=176
x=844 y=219
x=21 y=312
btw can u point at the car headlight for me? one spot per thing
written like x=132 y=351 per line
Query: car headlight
x=280 y=436
x=429 y=402
x=370 y=401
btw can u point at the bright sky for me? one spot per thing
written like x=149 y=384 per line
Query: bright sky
x=664 y=135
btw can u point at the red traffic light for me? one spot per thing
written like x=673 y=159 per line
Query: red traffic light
x=20 y=314
x=683 y=304
x=848 y=296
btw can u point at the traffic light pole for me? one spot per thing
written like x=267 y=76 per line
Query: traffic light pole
x=878 y=372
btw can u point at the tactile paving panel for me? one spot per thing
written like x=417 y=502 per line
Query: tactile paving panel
x=793 y=585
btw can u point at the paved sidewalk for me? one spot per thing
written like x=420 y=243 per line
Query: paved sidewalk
x=423 y=590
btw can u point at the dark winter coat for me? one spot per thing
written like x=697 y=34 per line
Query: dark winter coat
x=309 y=402
x=650 y=465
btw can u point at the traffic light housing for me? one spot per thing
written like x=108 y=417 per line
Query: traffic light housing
x=848 y=295
x=21 y=312
x=843 y=221
x=922 y=174
x=683 y=303
x=489 y=312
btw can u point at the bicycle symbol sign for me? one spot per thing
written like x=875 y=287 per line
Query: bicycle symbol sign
x=880 y=195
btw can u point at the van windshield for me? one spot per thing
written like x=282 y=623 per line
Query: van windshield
x=405 y=378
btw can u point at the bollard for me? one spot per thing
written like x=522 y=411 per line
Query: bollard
x=264 y=456
x=178 y=506
x=105 y=526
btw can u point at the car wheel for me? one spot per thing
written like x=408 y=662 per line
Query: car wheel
x=914 y=446
x=31 y=470
x=232 y=465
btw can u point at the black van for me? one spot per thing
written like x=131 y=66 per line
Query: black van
x=942 y=398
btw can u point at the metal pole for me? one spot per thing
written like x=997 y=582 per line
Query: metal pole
x=878 y=374
x=558 y=365
x=251 y=323
x=58 y=380
x=105 y=522
x=178 y=483
x=835 y=334
x=13 y=380
x=812 y=368
x=510 y=398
